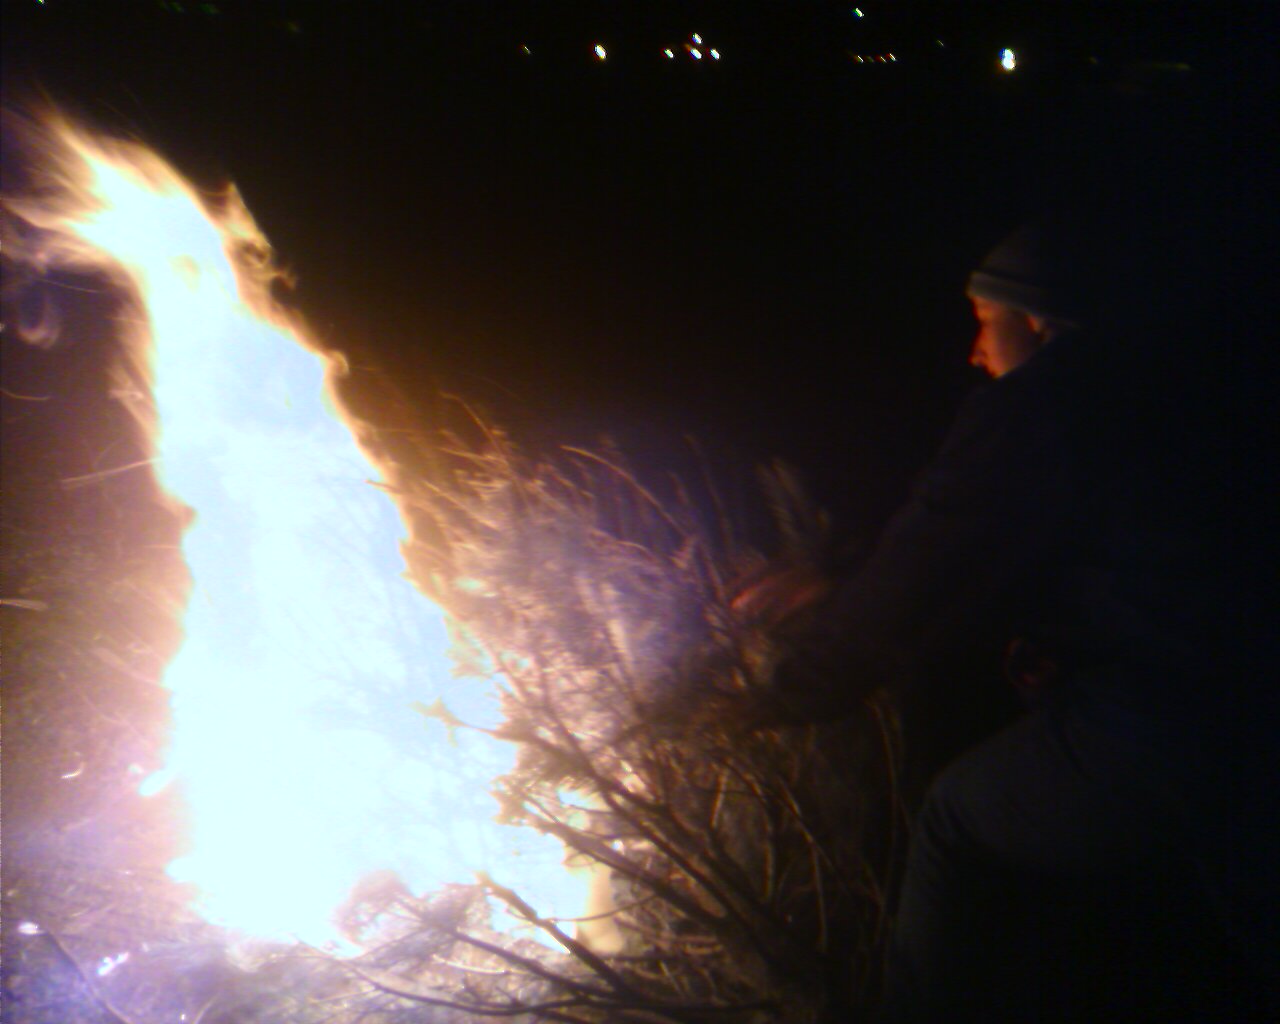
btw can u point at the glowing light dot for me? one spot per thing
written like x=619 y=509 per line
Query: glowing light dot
x=670 y=54
x=525 y=50
x=715 y=54
x=1008 y=59
x=110 y=963
x=695 y=53
x=601 y=53
x=892 y=57
x=697 y=38
x=29 y=928
x=857 y=12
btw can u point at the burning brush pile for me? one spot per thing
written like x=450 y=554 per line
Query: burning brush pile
x=736 y=873
x=654 y=857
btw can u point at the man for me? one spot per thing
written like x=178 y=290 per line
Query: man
x=1079 y=502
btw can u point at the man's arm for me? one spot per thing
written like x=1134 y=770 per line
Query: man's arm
x=997 y=502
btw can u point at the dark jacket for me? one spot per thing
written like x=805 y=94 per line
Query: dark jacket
x=1082 y=500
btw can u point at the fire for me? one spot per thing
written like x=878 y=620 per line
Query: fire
x=294 y=744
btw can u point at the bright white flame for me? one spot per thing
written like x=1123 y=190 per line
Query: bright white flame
x=294 y=742
x=1008 y=59
x=600 y=52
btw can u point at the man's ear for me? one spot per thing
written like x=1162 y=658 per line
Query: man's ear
x=1039 y=327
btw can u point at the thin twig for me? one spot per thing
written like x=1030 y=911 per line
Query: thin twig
x=24 y=398
x=72 y=482
x=578 y=949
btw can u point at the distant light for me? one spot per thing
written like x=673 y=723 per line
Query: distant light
x=601 y=53
x=695 y=53
x=715 y=54
x=859 y=60
x=1008 y=60
x=670 y=55
x=880 y=58
x=940 y=43
x=857 y=12
x=525 y=50
x=892 y=57
x=697 y=38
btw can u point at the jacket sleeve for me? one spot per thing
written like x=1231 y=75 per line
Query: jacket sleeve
x=998 y=502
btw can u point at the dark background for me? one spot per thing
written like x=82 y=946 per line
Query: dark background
x=767 y=252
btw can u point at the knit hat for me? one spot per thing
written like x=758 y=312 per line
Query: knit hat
x=1041 y=269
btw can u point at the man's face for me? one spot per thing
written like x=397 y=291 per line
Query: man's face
x=1006 y=339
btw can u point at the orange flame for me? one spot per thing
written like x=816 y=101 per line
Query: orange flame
x=302 y=763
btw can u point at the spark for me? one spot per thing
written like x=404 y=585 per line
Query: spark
x=110 y=963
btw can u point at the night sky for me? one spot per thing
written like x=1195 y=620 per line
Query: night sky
x=766 y=251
